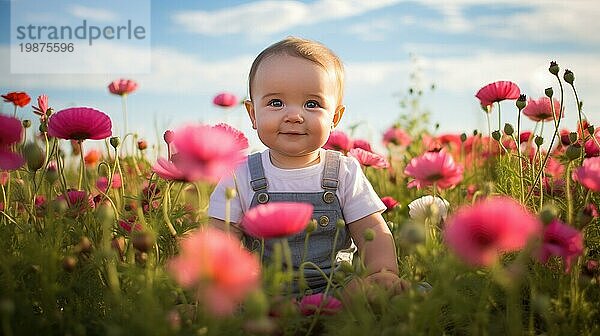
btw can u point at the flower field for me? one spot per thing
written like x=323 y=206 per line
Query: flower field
x=497 y=231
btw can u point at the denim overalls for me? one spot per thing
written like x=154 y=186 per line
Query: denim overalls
x=327 y=211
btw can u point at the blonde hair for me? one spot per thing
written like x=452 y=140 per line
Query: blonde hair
x=310 y=50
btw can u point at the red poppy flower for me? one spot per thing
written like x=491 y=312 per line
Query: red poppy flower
x=434 y=167
x=277 y=219
x=338 y=141
x=324 y=304
x=122 y=86
x=11 y=132
x=588 y=175
x=561 y=240
x=368 y=159
x=362 y=144
x=215 y=266
x=42 y=107
x=390 y=202
x=541 y=110
x=396 y=136
x=498 y=91
x=80 y=123
x=19 y=99
x=225 y=99
x=480 y=233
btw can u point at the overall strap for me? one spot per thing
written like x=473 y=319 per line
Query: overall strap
x=257 y=172
x=330 y=172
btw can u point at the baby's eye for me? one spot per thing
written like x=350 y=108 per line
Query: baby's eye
x=275 y=103
x=312 y=104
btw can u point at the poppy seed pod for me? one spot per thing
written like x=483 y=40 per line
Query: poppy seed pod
x=521 y=102
x=549 y=92
x=508 y=129
x=554 y=69
x=34 y=156
x=115 y=141
x=463 y=137
x=496 y=135
x=26 y=123
x=573 y=152
x=539 y=140
x=569 y=77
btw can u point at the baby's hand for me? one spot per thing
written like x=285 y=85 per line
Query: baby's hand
x=388 y=281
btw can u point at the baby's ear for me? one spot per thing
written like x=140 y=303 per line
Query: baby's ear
x=250 y=108
x=339 y=112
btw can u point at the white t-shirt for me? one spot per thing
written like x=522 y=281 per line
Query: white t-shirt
x=356 y=195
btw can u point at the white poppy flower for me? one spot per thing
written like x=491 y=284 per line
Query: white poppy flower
x=426 y=206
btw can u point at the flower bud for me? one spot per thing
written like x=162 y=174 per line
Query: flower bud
x=49 y=111
x=340 y=224
x=496 y=135
x=569 y=77
x=230 y=193
x=508 y=129
x=590 y=129
x=141 y=258
x=369 y=234
x=69 y=263
x=143 y=241
x=168 y=136
x=538 y=140
x=312 y=226
x=475 y=132
x=85 y=245
x=43 y=127
x=548 y=213
x=34 y=156
x=115 y=141
x=142 y=144
x=463 y=137
x=554 y=69
x=26 y=123
x=573 y=152
x=549 y=92
x=573 y=137
x=521 y=102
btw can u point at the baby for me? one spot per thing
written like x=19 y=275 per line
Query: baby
x=296 y=90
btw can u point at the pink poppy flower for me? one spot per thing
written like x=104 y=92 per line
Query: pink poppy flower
x=79 y=201
x=11 y=132
x=498 y=91
x=561 y=240
x=338 y=141
x=240 y=138
x=168 y=170
x=434 y=167
x=541 y=110
x=42 y=107
x=122 y=86
x=478 y=234
x=277 y=219
x=225 y=99
x=102 y=182
x=80 y=123
x=129 y=225
x=588 y=175
x=362 y=144
x=215 y=266
x=309 y=304
x=207 y=153
x=395 y=135
x=368 y=159
x=554 y=168
x=525 y=136
x=19 y=99
x=591 y=145
x=390 y=203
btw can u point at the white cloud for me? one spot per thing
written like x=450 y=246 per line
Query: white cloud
x=92 y=13
x=373 y=30
x=267 y=17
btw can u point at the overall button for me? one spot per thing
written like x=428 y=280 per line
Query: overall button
x=323 y=221
x=262 y=198
x=328 y=197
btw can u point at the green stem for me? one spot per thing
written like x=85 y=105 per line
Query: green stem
x=166 y=211
x=82 y=165
x=569 y=194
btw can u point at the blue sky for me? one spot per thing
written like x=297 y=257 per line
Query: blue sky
x=200 y=48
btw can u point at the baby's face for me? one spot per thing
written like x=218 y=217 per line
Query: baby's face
x=294 y=105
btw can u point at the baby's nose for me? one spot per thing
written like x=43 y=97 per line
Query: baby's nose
x=294 y=114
